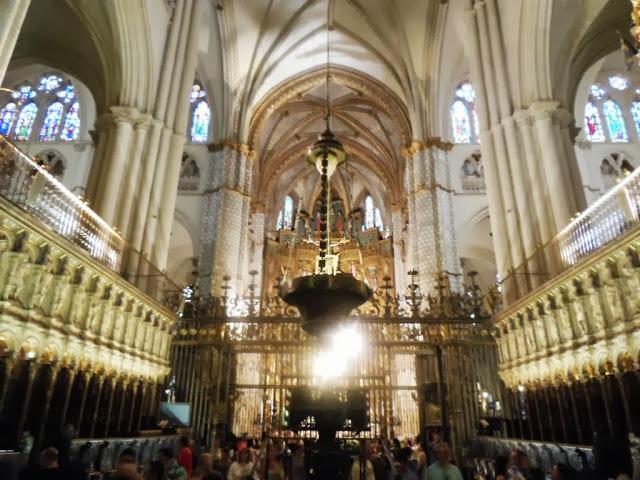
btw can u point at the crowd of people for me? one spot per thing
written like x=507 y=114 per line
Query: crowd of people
x=246 y=459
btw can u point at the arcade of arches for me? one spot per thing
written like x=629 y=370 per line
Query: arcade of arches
x=156 y=199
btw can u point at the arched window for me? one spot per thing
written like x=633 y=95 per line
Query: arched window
x=614 y=168
x=592 y=123
x=25 y=121
x=200 y=115
x=71 y=128
x=7 y=117
x=615 y=121
x=53 y=161
x=51 y=123
x=464 y=118
x=372 y=215
x=61 y=120
x=285 y=216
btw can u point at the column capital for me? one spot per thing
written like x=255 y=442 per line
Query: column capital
x=522 y=118
x=419 y=146
x=124 y=114
x=242 y=148
x=565 y=118
x=543 y=110
x=143 y=121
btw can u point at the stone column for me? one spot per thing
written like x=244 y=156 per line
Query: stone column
x=433 y=247
x=129 y=193
x=12 y=14
x=226 y=218
x=399 y=251
x=563 y=204
x=108 y=172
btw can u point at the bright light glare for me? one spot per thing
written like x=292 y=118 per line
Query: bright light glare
x=346 y=344
x=347 y=341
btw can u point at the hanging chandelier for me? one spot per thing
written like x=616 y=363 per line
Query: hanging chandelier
x=326 y=298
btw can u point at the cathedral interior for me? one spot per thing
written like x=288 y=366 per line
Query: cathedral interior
x=371 y=239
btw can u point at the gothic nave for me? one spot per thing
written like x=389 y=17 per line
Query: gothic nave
x=320 y=239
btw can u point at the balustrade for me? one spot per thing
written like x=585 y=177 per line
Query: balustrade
x=613 y=215
x=29 y=186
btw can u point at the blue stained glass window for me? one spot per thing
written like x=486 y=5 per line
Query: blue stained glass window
x=460 y=122
x=25 y=121
x=51 y=123
x=597 y=92
x=200 y=120
x=592 y=123
x=197 y=92
x=67 y=94
x=288 y=213
x=615 y=121
x=7 y=117
x=635 y=113
x=71 y=128
x=619 y=82
x=49 y=83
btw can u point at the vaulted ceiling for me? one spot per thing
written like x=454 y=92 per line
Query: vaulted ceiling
x=271 y=41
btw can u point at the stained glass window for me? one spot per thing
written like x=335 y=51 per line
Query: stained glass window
x=24 y=93
x=7 y=117
x=460 y=122
x=466 y=92
x=200 y=120
x=49 y=83
x=71 y=128
x=288 y=213
x=635 y=114
x=25 y=121
x=597 y=92
x=592 y=123
x=615 y=121
x=619 y=82
x=61 y=120
x=197 y=92
x=67 y=94
x=279 y=222
x=51 y=123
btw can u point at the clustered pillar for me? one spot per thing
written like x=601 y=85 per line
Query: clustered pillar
x=225 y=234
x=134 y=177
x=45 y=397
x=432 y=245
x=533 y=143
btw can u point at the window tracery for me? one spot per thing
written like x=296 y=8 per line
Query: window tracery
x=472 y=173
x=53 y=161
x=54 y=95
x=614 y=168
x=200 y=115
x=189 y=174
x=464 y=117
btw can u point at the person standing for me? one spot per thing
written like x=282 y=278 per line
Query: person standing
x=243 y=467
x=172 y=471
x=442 y=469
x=185 y=455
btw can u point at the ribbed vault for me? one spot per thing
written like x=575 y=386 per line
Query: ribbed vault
x=368 y=118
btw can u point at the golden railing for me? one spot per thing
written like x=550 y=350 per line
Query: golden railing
x=609 y=217
x=29 y=185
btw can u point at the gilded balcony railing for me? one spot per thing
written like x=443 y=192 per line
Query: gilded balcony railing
x=611 y=216
x=29 y=185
